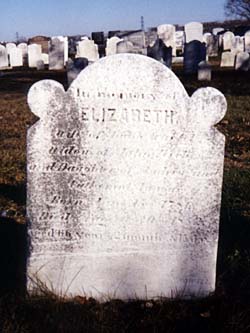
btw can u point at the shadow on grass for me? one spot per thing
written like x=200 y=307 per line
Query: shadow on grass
x=16 y=193
x=13 y=254
x=233 y=264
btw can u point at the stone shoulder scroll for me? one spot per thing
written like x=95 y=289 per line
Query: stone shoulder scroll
x=124 y=183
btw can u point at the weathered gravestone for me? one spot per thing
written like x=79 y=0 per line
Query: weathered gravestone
x=159 y=51
x=4 y=62
x=227 y=59
x=87 y=49
x=16 y=57
x=193 y=31
x=166 y=32
x=34 y=54
x=124 y=183
x=204 y=71
x=124 y=47
x=242 y=61
x=194 y=53
x=24 y=48
x=56 y=54
x=247 y=41
x=111 y=47
x=228 y=40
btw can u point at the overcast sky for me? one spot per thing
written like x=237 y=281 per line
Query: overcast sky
x=68 y=17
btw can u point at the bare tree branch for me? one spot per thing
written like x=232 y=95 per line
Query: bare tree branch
x=238 y=8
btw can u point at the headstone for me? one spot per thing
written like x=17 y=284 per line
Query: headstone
x=124 y=47
x=65 y=42
x=216 y=31
x=247 y=41
x=34 y=54
x=74 y=67
x=193 y=31
x=204 y=71
x=16 y=57
x=151 y=37
x=212 y=44
x=179 y=40
x=137 y=38
x=3 y=57
x=159 y=51
x=56 y=54
x=227 y=59
x=238 y=44
x=124 y=183
x=194 y=53
x=10 y=46
x=24 y=48
x=87 y=49
x=111 y=47
x=166 y=32
x=45 y=58
x=242 y=61
x=228 y=40
x=40 y=65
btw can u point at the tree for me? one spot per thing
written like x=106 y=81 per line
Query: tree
x=238 y=8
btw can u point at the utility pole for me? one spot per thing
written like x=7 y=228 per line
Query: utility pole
x=142 y=23
x=17 y=37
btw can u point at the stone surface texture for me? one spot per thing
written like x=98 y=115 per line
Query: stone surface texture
x=124 y=183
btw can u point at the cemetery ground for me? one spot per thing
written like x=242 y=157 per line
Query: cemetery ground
x=227 y=310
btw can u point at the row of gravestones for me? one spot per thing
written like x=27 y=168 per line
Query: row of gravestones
x=236 y=51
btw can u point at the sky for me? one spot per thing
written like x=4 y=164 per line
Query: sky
x=69 y=17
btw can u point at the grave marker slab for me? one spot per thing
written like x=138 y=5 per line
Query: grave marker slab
x=124 y=183
x=4 y=62
x=34 y=54
x=227 y=59
x=193 y=31
x=242 y=61
x=16 y=57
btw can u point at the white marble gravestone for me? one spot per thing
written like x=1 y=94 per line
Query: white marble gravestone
x=227 y=59
x=10 y=46
x=4 y=62
x=125 y=47
x=87 y=49
x=193 y=31
x=247 y=41
x=228 y=40
x=166 y=32
x=124 y=183
x=16 y=57
x=242 y=61
x=179 y=40
x=34 y=54
x=111 y=47
x=204 y=71
x=56 y=54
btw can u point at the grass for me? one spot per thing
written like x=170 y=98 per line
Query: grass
x=227 y=310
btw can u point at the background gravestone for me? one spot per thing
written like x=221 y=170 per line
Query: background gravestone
x=228 y=40
x=166 y=32
x=124 y=183
x=194 y=53
x=193 y=31
x=242 y=61
x=159 y=51
x=56 y=54
x=111 y=47
x=34 y=54
x=74 y=67
x=4 y=62
x=247 y=41
x=227 y=59
x=16 y=57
